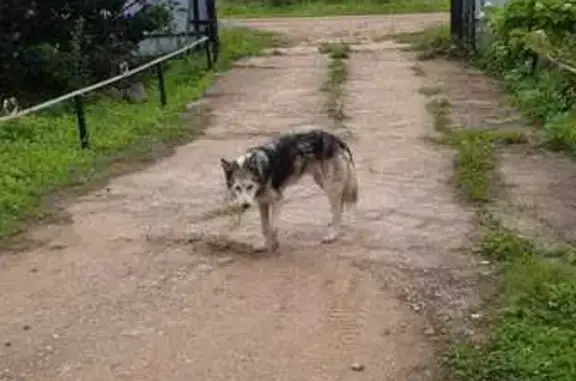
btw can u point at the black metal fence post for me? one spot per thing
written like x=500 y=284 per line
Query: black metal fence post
x=472 y=25
x=213 y=28
x=196 y=16
x=454 y=18
x=81 y=121
x=209 y=62
x=535 y=62
x=463 y=23
x=161 y=85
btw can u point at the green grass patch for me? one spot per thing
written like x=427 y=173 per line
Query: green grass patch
x=338 y=54
x=534 y=330
x=279 y=8
x=432 y=42
x=475 y=149
x=336 y=50
x=40 y=154
x=474 y=163
x=439 y=108
x=475 y=160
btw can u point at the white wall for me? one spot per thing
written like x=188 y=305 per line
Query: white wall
x=163 y=45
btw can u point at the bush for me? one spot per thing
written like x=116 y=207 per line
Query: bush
x=53 y=46
x=524 y=32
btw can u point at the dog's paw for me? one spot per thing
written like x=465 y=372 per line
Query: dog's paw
x=273 y=246
x=330 y=237
x=260 y=248
x=270 y=247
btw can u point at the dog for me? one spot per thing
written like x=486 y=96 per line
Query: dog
x=260 y=176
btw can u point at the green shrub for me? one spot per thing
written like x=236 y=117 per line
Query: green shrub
x=522 y=30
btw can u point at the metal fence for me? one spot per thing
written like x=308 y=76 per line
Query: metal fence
x=463 y=23
x=202 y=29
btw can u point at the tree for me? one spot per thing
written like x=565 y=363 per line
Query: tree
x=52 y=46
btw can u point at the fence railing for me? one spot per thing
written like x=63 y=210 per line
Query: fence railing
x=78 y=95
x=540 y=55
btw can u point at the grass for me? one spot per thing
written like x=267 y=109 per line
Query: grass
x=237 y=9
x=547 y=98
x=474 y=163
x=338 y=54
x=39 y=154
x=534 y=330
x=432 y=42
x=475 y=160
x=532 y=333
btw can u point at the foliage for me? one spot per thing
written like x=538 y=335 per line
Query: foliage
x=474 y=163
x=267 y=8
x=432 y=42
x=521 y=31
x=52 y=46
x=337 y=74
x=40 y=154
x=534 y=337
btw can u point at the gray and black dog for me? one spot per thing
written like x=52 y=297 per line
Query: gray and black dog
x=260 y=176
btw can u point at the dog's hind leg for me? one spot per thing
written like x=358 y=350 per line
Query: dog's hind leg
x=318 y=178
x=333 y=186
x=335 y=199
x=326 y=176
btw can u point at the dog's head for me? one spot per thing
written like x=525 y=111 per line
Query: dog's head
x=243 y=179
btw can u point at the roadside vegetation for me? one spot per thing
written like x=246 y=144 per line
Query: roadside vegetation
x=531 y=334
x=311 y=8
x=520 y=40
x=40 y=154
x=338 y=54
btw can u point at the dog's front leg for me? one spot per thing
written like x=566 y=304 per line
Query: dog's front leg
x=268 y=229
x=335 y=198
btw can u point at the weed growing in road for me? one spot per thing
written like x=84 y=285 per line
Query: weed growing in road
x=474 y=161
x=439 y=108
x=430 y=43
x=418 y=70
x=429 y=90
x=336 y=50
x=273 y=8
x=338 y=54
x=39 y=154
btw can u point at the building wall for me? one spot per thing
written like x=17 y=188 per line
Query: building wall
x=163 y=45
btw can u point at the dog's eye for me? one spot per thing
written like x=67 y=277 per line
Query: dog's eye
x=249 y=187
x=237 y=188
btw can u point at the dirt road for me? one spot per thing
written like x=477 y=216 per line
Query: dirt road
x=142 y=285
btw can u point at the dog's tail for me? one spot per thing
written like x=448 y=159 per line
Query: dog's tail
x=350 y=191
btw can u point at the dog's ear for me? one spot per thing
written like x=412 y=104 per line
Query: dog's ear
x=227 y=166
